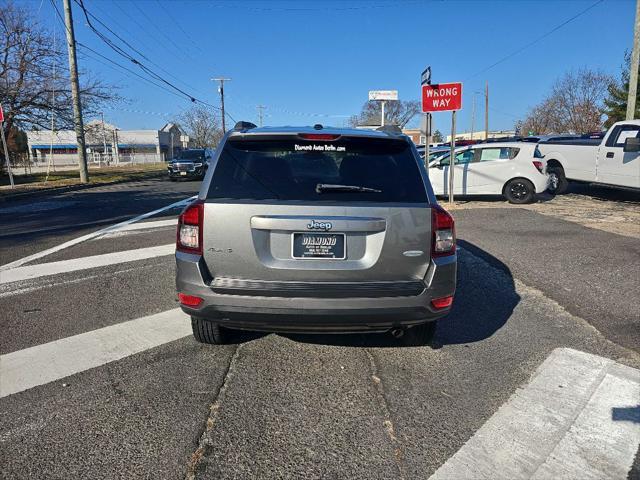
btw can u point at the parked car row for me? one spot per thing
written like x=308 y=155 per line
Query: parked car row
x=612 y=159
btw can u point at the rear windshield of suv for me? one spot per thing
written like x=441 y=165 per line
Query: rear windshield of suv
x=293 y=169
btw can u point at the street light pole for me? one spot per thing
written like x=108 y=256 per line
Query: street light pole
x=221 y=91
x=75 y=93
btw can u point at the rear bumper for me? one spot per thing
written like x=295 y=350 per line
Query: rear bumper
x=325 y=313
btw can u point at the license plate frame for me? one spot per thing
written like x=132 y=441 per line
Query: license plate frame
x=342 y=240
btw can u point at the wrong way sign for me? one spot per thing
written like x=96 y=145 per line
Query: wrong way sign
x=442 y=97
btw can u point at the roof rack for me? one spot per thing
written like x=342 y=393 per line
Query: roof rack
x=390 y=129
x=244 y=126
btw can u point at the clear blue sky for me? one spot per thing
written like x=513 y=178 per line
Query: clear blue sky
x=311 y=62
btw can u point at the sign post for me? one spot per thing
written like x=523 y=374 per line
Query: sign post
x=6 y=150
x=382 y=96
x=425 y=79
x=445 y=97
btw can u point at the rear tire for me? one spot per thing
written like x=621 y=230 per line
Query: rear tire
x=208 y=332
x=420 y=335
x=519 y=191
x=559 y=179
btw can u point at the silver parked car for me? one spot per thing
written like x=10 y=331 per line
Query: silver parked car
x=315 y=230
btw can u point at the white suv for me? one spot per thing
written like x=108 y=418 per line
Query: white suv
x=516 y=170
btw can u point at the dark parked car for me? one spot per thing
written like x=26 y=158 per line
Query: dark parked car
x=192 y=163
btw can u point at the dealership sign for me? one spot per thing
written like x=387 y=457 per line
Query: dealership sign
x=383 y=95
x=442 y=97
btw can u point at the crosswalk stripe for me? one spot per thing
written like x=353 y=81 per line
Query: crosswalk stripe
x=577 y=418
x=142 y=226
x=64 y=266
x=92 y=235
x=52 y=361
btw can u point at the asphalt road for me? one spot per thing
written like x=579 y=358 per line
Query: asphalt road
x=291 y=406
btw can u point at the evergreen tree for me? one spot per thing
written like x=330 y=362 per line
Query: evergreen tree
x=616 y=102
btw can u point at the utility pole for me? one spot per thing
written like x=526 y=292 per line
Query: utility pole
x=221 y=91
x=633 y=71
x=486 y=112
x=473 y=115
x=382 y=107
x=260 y=112
x=75 y=93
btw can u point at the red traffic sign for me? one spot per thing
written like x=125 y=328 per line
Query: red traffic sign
x=442 y=97
x=1 y=115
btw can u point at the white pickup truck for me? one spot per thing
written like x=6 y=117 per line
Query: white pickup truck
x=615 y=161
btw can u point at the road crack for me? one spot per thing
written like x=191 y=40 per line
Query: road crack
x=204 y=444
x=398 y=453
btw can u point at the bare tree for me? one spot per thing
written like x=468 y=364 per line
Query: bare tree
x=30 y=92
x=202 y=125
x=395 y=112
x=575 y=105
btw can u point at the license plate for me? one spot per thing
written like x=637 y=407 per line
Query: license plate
x=330 y=246
x=183 y=173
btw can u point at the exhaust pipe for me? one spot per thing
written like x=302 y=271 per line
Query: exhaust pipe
x=397 y=332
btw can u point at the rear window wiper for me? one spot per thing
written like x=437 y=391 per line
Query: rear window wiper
x=329 y=187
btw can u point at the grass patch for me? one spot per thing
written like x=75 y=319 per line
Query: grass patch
x=36 y=181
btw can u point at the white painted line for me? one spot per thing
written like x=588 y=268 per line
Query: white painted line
x=52 y=361
x=577 y=418
x=144 y=225
x=63 y=266
x=91 y=235
x=28 y=286
x=136 y=228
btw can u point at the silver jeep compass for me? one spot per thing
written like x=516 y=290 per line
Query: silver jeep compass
x=315 y=229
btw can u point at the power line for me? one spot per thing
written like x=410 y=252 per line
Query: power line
x=135 y=61
x=177 y=24
x=124 y=54
x=533 y=42
x=182 y=51
x=113 y=62
x=93 y=16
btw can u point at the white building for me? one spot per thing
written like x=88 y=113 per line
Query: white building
x=106 y=144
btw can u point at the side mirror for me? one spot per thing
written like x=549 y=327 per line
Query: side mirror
x=631 y=144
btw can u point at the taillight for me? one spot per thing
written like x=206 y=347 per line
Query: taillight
x=539 y=165
x=444 y=302
x=189 y=235
x=443 y=240
x=326 y=137
x=189 y=300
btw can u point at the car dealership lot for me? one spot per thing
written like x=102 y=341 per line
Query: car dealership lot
x=352 y=406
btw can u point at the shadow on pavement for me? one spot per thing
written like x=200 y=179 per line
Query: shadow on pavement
x=485 y=299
